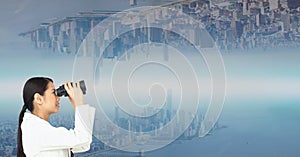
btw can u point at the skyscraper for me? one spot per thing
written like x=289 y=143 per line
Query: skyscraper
x=117 y=115
x=169 y=104
x=274 y=4
x=132 y=2
x=291 y=4
x=286 y=21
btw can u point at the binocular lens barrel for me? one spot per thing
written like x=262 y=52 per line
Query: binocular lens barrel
x=61 y=91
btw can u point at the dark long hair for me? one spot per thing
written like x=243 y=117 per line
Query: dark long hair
x=33 y=85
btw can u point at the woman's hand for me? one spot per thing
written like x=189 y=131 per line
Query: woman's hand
x=75 y=94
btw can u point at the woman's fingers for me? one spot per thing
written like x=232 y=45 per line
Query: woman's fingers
x=75 y=93
x=68 y=87
x=77 y=88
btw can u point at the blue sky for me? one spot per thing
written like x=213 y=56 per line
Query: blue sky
x=263 y=88
x=249 y=74
x=258 y=72
x=19 y=59
x=19 y=16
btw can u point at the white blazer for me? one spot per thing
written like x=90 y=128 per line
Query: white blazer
x=41 y=139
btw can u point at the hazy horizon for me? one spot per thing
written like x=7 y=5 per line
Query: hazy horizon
x=262 y=102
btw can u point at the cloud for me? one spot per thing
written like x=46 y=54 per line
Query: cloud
x=22 y=6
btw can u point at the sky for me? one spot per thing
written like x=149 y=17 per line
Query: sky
x=19 y=59
x=263 y=87
x=22 y=15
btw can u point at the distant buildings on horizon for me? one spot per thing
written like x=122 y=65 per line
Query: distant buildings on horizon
x=8 y=131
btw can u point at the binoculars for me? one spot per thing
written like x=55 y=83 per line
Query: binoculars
x=61 y=91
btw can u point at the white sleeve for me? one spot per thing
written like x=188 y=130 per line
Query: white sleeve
x=89 y=123
x=79 y=138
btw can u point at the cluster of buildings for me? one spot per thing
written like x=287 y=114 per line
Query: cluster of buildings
x=136 y=125
x=169 y=123
x=148 y=131
x=232 y=24
x=248 y=24
x=8 y=131
x=8 y=138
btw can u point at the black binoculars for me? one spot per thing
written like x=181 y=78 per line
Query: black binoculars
x=61 y=91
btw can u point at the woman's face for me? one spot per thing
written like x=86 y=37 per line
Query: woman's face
x=51 y=101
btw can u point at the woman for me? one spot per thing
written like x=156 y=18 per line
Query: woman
x=36 y=136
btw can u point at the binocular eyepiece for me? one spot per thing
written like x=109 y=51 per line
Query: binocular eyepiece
x=61 y=91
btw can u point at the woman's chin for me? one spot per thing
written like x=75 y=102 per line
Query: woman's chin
x=56 y=109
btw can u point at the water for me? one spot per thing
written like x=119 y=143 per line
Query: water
x=252 y=129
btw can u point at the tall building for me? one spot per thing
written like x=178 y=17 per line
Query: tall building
x=246 y=10
x=237 y=29
x=286 y=21
x=291 y=4
x=117 y=115
x=132 y=2
x=274 y=4
x=283 y=3
x=42 y=38
x=169 y=104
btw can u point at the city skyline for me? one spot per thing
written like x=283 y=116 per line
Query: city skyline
x=233 y=25
x=262 y=85
x=135 y=125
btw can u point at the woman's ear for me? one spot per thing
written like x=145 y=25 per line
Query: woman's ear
x=38 y=98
